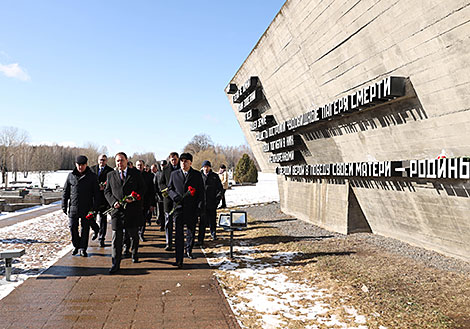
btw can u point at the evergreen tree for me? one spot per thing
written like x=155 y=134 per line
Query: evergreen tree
x=245 y=171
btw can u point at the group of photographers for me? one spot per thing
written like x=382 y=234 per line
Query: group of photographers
x=179 y=196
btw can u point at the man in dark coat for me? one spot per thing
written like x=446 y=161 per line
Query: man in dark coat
x=159 y=212
x=187 y=207
x=167 y=201
x=127 y=213
x=101 y=170
x=148 y=197
x=80 y=196
x=213 y=190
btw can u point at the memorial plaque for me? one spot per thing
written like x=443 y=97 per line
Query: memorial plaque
x=252 y=115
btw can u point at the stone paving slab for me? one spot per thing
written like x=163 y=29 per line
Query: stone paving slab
x=78 y=292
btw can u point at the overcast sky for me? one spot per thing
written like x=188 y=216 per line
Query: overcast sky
x=136 y=76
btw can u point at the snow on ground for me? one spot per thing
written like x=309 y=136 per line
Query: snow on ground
x=5 y=215
x=52 y=180
x=267 y=298
x=265 y=190
x=45 y=240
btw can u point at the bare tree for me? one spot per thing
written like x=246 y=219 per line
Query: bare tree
x=148 y=157
x=44 y=160
x=10 y=137
x=199 y=143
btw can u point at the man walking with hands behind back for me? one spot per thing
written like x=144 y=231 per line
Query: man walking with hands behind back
x=127 y=213
x=187 y=207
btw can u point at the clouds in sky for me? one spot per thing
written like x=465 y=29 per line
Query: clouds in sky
x=14 y=71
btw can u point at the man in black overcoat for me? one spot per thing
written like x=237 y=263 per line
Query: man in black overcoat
x=213 y=191
x=80 y=196
x=148 y=197
x=101 y=170
x=174 y=164
x=157 y=176
x=120 y=184
x=187 y=207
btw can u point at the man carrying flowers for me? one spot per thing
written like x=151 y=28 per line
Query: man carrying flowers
x=185 y=188
x=123 y=192
x=80 y=196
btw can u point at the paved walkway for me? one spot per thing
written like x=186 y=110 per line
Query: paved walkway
x=30 y=215
x=78 y=292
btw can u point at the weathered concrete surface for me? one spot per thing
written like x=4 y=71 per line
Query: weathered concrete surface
x=316 y=51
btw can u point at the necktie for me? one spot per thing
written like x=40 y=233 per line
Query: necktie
x=122 y=175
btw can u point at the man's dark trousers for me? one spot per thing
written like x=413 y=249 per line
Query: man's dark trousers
x=181 y=246
x=208 y=218
x=118 y=236
x=79 y=240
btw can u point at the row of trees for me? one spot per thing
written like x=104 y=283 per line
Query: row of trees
x=20 y=157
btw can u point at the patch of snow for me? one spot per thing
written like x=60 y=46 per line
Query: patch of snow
x=5 y=215
x=266 y=190
x=45 y=240
x=274 y=296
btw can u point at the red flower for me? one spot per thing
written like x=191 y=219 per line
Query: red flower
x=89 y=216
x=137 y=197
x=191 y=190
x=134 y=194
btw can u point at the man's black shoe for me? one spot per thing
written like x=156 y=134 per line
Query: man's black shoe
x=214 y=238
x=83 y=253
x=168 y=248
x=162 y=229
x=102 y=243
x=178 y=264
x=95 y=235
x=190 y=255
x=135 y=259
x=113 y=269
x=127 y=254
x=75 y=251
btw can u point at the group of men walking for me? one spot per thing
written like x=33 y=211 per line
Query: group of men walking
x=179 y=195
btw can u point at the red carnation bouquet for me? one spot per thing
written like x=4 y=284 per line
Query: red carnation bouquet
x=134 y=196
x=190 y=192
x=90 y=215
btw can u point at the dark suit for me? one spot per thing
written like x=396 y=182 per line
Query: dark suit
x=213 y=190
x=188 y=209
x=159 y=200
x=102 y=176
x=131 y=217
x=167 y=202
x=148 y=199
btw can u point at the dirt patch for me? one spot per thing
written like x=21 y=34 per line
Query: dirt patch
x=389 y=290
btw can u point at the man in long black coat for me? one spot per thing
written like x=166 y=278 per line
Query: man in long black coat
x=167 y=201
x=101 y=170
x=187 y=207
x=213 y=191
x=157 y=176
x=120 y=184
x=148 y=197
x=80 y=196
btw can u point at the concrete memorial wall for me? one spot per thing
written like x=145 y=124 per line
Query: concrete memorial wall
x=362 y=109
